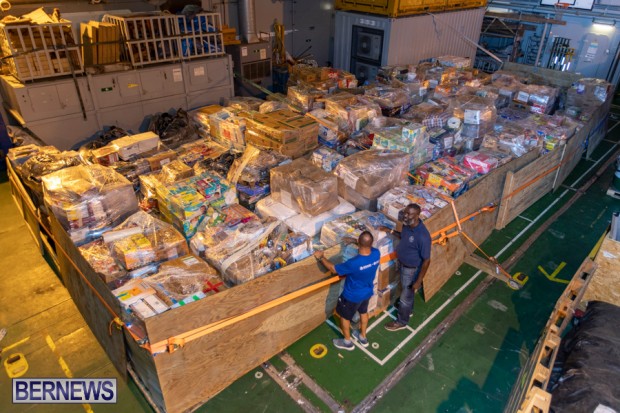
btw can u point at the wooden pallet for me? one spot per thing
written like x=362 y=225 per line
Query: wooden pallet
x=530 y=392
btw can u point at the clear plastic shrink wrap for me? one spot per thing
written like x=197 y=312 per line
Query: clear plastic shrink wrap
x=251 y=249
x=392 y=101
x=304 y=187
x=396 y=199
x=371 y=173
x=352 y=225
x=46 y=160
x=87 y=200
x=142 y=240
x=246 y=103
x=202 y=149
x=477 y=115
x=250 y=173
x=184 y=277
x=98 y=255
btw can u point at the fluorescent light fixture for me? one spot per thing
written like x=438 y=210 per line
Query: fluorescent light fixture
x=604 y=22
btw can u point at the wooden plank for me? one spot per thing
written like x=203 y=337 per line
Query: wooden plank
x=540 y=176
x=239 y=300
x=87 y=300
x=446 y=259
x=249 y=343
x=605 y=285
x=600 y=129
x=142 y=363
x=24 y=203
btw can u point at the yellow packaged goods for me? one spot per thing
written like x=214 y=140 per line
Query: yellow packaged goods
x=304 y=187
x=106 y=156
x=87 y=200
x=159 y=158
x=142 y=240
x=174 y=172
x=136 y=144
x=286 y=132
x=185 y=277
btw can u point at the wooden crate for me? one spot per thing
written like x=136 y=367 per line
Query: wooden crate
x=152 y=38
x=392 y=8
x=179 y=381
x=525 y=186
x=529 y=394
x=40 y=51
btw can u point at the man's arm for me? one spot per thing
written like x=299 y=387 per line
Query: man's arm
x=320 y=257
x=389 y=231
x=423 y=268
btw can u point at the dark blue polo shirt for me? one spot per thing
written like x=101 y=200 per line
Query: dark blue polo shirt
x=414 y=245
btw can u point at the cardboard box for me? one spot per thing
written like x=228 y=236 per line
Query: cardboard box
x=136 y=144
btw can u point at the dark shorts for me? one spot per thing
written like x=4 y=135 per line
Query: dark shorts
x=346 y=309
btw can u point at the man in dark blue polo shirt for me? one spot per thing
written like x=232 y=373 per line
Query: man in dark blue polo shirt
x=414 y=257
x=359 y=273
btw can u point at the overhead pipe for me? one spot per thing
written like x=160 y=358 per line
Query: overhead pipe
x=607 y=11
x=247 y=21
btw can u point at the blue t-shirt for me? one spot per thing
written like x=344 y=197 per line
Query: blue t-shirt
x=414 y=245
x=360 y=272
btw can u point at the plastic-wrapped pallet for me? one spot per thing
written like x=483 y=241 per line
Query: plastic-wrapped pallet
x=392 y=101
x=396 y=199
x=366 y=175
x=477 y=115
x=446 y=175
x=352 y=225
x=186 y=203
x=284 y=131
x=250 y=173
x=331 y=127
x=246 y=103
x=304 y=187
x=98 y=255
x=87 y=200
x=142 y=240
x=537 y=98
x=312 y=225
x=183 y=277
x=326 y=158
x=252 y=249
x=351 y=111
x=202 y=149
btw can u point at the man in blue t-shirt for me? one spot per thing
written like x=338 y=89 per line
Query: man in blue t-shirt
x=414 y=257
x=359 y=273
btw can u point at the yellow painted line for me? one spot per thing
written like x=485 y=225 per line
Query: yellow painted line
x=597 y=246
x=551 y=277
x=65 y=367
x=318 y=351
x=19 y=343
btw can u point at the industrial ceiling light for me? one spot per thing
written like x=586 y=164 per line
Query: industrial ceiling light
x=605 y=22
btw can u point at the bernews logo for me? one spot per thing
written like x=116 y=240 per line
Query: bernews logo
x=50 y=390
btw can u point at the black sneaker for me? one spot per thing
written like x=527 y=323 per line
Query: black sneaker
x=341 y=343
x=395 y=326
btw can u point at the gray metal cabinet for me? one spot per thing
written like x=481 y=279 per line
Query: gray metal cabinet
x=162 y=81
x=114 y=89
x=208 y=73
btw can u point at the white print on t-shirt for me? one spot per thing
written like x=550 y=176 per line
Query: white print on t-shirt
x=365 y=267
x=411 y=238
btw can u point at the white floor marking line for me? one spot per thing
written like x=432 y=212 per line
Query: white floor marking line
x=365 y=350
x=456 y=293
x=525 y=219
x=612 y=128
x=429 y=319
x=379 y=320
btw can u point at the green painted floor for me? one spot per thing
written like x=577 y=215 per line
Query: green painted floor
x=472 y=368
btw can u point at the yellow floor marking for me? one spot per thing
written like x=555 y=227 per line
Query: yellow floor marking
x=555 y=273
x=19 y=343
x=65 y=367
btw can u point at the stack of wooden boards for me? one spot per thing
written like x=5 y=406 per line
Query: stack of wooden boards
x=100 y=43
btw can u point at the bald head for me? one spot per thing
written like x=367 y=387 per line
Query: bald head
x=365 y=240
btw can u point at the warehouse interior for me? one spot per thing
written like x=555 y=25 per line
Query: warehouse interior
x=169 y=169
